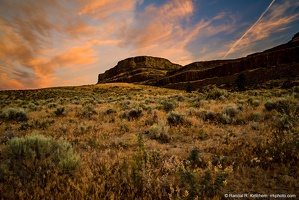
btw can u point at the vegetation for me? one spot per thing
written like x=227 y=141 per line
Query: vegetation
x=125 y=141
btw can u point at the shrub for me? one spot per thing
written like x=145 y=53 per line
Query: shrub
x=255 y=103
x=175 y=119
x=59 y=111
x=231 y=111
x=159 y=132
x=88 y=112
x=270 y=105
x=216 y=93
x=225 y=119
x=14 y=114
x=134 y=114
x=110 y=111
x=210 y=115
x=195 y=159
x=283 y=105
x=202 y=135
x=33 y=156
x=286 y=106
x=168 y=106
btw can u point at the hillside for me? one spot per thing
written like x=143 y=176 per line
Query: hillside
x=132 y=141
x=281 y=62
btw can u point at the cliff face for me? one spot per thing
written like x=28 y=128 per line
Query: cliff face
x=275 y=63
x=138 y=69
x=265 y=65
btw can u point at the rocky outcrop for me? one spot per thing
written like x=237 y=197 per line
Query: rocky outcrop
x=138 y=69
x=278 y=62
x=225 y=71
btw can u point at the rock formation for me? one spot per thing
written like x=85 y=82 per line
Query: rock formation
x=138 y=69
x=275 y=63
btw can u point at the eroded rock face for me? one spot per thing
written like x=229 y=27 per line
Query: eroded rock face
x=138 y=69
x=224 y=71
x=278 y=62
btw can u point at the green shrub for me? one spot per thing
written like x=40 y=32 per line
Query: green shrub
x=159 y=132
x=216 y=93
x=110 y=111
x=168 y=106
x=34 y=156
x=283 y=106
x=134 y=114
x=231 y=111
x=225 y=119
x=210 y=115
x=14 y=114
x=175 y=119
x=195 y=159
x=87 y=112
x=255 y=103
x=59 y=111
x=270 y=105
x=287 y=106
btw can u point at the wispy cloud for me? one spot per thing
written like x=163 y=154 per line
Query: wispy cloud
x=274 y=19
x=257 y=21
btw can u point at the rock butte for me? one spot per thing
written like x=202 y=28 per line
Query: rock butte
x=281 y=62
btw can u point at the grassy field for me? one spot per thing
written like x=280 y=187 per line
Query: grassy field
x=125 y=141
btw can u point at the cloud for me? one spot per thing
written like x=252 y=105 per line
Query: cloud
x=273 y=20
x=166 y=30
x=102 y=9
x=75 y=56
x=35 y=37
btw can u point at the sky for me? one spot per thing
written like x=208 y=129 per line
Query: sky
x=47 y=43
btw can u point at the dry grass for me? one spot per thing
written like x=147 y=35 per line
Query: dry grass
x=142 y=142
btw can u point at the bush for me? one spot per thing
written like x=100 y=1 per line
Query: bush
x=270 y=105
x=134 y=114
x=231 y=111
x=88 y=112
x=34 y=156
x=59 y=111
x=210 y=115
x=168 y=106
x=110 y=111
x=225 y=119
x=175 y=119
x=195 y=159
x=159 y=132
x=216 y=93
x=283 y=106
x=14 y=114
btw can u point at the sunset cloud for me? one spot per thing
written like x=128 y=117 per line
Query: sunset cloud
x=105 y=8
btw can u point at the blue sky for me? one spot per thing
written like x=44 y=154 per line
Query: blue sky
x=62 y=42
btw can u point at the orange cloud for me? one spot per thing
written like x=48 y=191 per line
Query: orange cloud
x=9 y=84
x=104 y=8
x=79 y=27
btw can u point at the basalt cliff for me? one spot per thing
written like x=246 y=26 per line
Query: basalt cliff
x=278 y=63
